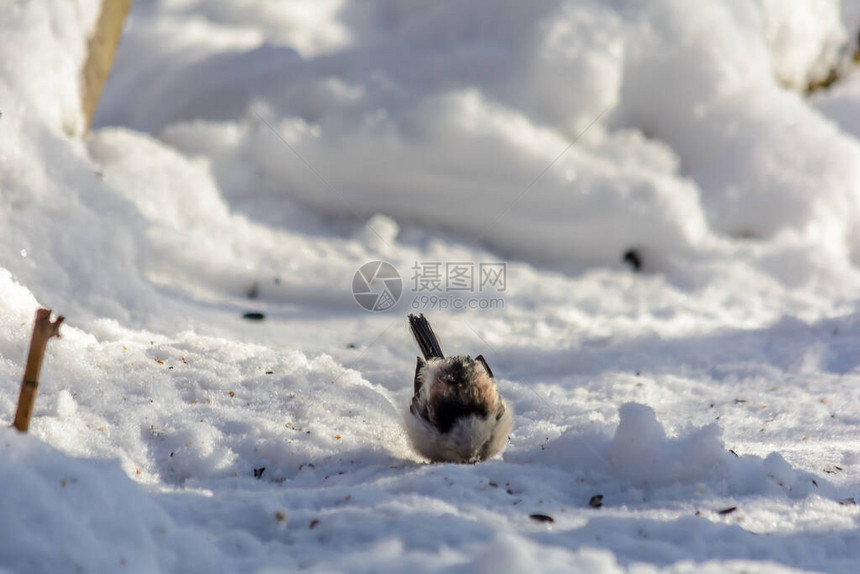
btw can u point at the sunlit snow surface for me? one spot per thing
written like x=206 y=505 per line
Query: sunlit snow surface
x=273 y=148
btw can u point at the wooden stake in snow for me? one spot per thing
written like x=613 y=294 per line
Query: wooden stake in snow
x=101 y=50
x=43 y=330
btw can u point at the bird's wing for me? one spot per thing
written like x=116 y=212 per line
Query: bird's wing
x=483 y=361
x=418 y=382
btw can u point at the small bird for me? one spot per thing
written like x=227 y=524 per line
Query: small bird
x=457 y=414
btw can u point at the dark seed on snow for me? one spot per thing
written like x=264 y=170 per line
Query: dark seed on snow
x=632 y=258
x=542 y=518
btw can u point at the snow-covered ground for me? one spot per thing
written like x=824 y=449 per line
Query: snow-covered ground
x=251 y=156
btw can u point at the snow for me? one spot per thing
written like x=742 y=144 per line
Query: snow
x=252 y=156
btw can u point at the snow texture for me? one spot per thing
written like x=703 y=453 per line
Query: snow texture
x=680 y=222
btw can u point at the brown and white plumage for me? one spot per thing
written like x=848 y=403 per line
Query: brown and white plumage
x=456 y=414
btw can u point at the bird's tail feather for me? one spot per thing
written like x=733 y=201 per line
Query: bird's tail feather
x=425 y=337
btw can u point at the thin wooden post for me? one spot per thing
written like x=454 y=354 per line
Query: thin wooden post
x=102 y=47
x=43 y=329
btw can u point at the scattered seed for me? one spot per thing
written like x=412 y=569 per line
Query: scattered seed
x=542 y=518
x=493 y=484
x=632 y=258
x=596 y=501
x=280 y=516
x=313 y=523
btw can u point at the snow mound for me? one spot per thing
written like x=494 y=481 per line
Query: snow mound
x=71 y=515
x=641 y=455
x=564 y=134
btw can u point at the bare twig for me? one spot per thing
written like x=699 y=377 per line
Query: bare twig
x=43 y=330
x=100 y=57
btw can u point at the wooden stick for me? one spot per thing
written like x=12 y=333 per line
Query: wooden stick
x=100 y=54
x=43 y=330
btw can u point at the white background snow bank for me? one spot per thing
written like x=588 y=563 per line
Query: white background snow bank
x=275 y=148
